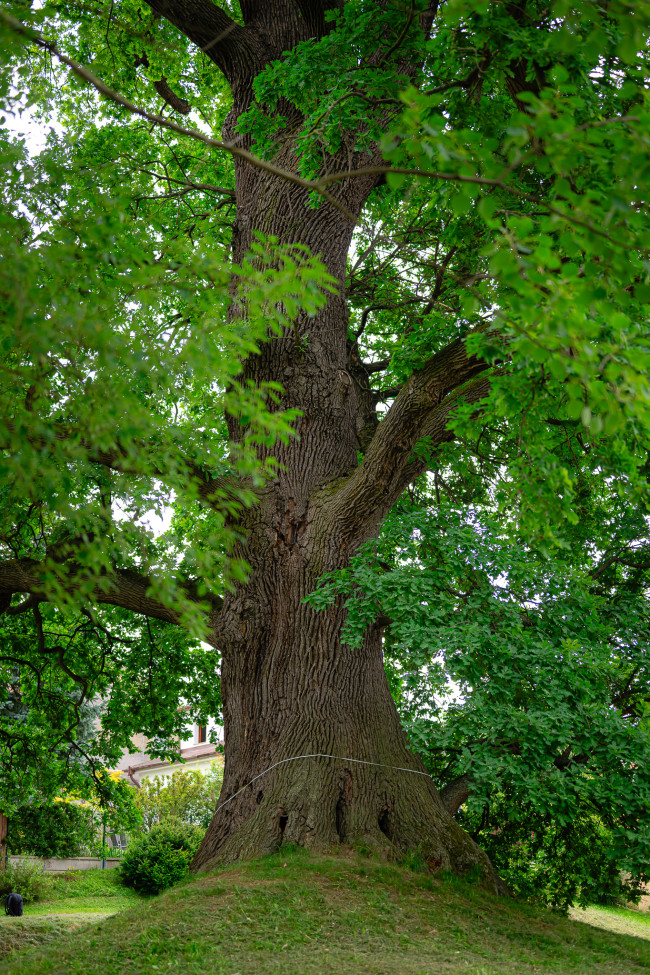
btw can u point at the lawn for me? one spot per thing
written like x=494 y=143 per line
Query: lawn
x=85 y=891
x=296 y=914
x=76 y=899
x=619 y=919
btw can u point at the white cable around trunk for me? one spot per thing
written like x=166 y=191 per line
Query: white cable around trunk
x=294 y=758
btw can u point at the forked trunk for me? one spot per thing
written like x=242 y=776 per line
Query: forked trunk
x=309 y=719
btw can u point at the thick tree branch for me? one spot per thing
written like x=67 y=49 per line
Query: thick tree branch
x=436 y=430
x=234 y=49
x=313 y=12
x=21 y=608
x=126 y=588
x=428 y=16
x=455 y=793
x=421 y=409
x=378 y=366
x=383 y=395
x=166 y=93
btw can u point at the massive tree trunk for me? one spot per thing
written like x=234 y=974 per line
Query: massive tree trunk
x=290 y=687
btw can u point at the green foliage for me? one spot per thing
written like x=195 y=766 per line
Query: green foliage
x=541 y=858
x=73 y=827
x=533 y=199
x=185 y=796
x=117 y=361
x=131 y=674
x=331 y=86
x=27 y=879
x=160 y=858
x=529 y=674
x=63 y=829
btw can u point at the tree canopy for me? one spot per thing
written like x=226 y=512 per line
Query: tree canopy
x=490 y=163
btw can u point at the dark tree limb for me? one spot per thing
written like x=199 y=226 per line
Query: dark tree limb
x=313 y=12
x=428 y=16
x=30 y=603
x=436 y=431
x=419 y=410
x=241 y=51
x=234 y=49
x=174 y=101
x=166 y=93
x=382 y=395
x=126 y=588
x=378 y=366
x=455 y=793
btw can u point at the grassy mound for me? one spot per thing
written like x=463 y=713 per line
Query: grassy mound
x=304 y=915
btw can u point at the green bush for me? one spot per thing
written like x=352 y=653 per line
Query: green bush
x=559 y=864
x=63 y=829
x=160 y=857
x=26 y=878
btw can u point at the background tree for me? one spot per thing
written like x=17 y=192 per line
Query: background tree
x=69 y=827
x=186 y=796
x=77 y=688
x=492 y=161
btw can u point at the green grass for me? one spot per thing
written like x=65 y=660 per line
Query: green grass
x=74 y=900
x=85 y=891
x=294 y=914
x=20 y=933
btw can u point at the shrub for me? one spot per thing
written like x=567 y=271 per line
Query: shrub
x=63 y=829
x=560 y=864
x=26 y=878
x=160 y=857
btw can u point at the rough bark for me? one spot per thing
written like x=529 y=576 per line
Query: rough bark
x=290 y=687
x=455 y=793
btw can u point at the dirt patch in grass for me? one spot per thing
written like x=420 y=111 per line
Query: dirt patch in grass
x=305 y=915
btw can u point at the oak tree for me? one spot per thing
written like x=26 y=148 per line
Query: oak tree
x=420 y=241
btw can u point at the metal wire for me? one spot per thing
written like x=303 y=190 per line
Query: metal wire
x=339 y=758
